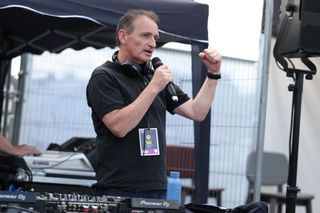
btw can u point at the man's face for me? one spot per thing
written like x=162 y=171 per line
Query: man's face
x=141 y=42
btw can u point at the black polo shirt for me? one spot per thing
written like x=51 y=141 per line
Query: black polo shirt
x=120 y=164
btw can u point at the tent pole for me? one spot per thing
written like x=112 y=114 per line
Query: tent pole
x=20 y=98
x=201 y=129
x=5 y=66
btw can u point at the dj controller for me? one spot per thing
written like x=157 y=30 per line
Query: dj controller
x=60 y=182
x=35 y=202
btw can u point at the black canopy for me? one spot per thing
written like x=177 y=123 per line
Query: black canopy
x=35 y=26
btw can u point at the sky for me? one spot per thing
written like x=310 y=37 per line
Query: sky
x=234 y=27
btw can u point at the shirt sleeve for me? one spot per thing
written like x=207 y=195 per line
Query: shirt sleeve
x=103 y=94
x=182 y=98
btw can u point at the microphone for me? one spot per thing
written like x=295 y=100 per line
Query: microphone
x=156 y=62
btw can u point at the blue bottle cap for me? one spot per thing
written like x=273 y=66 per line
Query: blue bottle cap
x=175 y=174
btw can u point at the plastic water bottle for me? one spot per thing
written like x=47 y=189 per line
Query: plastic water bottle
x=174 y=187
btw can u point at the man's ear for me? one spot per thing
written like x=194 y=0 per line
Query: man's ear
x=122 y=35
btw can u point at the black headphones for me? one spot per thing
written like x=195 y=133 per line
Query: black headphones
x=131 y=68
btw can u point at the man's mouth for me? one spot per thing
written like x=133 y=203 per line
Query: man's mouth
x=149 y=52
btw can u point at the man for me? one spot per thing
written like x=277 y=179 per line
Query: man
x=129 y=100
x=19 y=150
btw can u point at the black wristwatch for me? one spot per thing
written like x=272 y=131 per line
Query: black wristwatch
x=214 y=75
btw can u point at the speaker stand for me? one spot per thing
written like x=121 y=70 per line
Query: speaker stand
x=297 y=88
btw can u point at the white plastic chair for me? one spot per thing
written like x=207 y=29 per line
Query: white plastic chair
x=275 y=168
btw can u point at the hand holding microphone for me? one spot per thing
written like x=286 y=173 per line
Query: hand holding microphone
x=156 y=62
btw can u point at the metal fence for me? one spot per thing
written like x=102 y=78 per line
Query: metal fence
x=54 y=109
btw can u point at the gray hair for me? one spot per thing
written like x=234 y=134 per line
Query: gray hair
x=127 y=19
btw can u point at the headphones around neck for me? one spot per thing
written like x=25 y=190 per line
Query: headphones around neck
x=131 y=68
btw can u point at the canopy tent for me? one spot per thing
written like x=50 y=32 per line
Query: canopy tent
x=31 y=26
x=53 y=25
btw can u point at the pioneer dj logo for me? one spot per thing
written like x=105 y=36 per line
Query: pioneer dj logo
x=154 y=203
x=13 y=197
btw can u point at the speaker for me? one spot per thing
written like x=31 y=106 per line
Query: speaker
x=299 y=29
x=131 y=68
